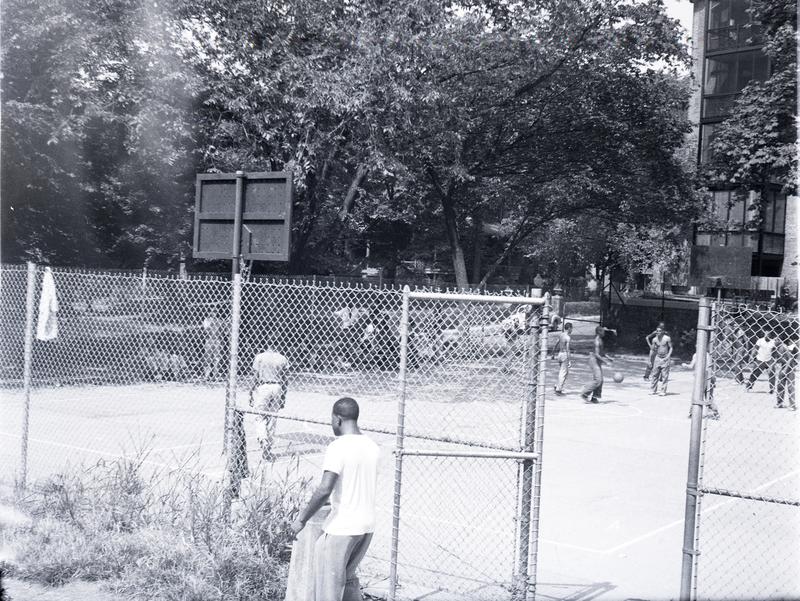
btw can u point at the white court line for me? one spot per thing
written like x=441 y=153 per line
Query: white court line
x=722 y=425
x=702 y=512
x=100 y=453
x=187 y=446
x=571 y=412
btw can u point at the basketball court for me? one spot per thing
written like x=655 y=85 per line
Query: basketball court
x=613 y=483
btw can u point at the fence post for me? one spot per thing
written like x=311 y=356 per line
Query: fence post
x=234 y=444
x=399 y=440
x=541 y=389
x=531 y=474
x=695 y=440
x=26 y=373
x=559 y=307
x=526 y=475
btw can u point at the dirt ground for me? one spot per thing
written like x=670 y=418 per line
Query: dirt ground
x=18 y=590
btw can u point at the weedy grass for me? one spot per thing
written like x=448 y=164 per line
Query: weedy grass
x=156 y=534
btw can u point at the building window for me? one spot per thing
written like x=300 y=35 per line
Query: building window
x=730 y=73
x=727 y=13
x=730 y=25
x=702 y=239
x=737 y=224
x=732 y=213
x=718 y=106
x=774 y=212
x=708 y=132
x=773 y=244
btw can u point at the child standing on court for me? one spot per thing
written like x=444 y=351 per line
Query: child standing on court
x=652 y=356
x=662 y=346
x=762 y=357
x=564 y=357
x=593 y=391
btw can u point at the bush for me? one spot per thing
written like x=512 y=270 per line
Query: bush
x=157 y=535
x=54 y=552
x=581 y=308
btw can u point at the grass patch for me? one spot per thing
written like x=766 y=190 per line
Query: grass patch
x=155 y=534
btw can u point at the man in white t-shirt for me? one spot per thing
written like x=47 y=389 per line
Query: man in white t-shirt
x=268 y=394
x=349 y=479
x=762 y=361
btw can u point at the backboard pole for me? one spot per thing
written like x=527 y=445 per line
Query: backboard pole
x=230 y=386
x=236 y=252
x=234 y=445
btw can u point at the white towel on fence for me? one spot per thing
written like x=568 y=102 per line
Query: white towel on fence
x=47 y=325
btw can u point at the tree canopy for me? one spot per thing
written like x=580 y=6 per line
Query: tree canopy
x=97 y=151
x=469 y=127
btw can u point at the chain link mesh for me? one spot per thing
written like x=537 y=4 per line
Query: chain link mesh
x=749 y=518
x=13 y=287
x=142 y=363
x=459 y=526
x=468 y=389
x=130 y=370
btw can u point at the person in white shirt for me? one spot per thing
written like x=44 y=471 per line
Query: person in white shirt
x=762 y=361
x=349 y=480
x=268 y=394
x=564 y=356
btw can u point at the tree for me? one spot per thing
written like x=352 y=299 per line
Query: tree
x=551 y=106
x=97 y=153
x=757 y=145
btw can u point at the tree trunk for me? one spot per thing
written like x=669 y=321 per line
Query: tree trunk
x=456 y=250
x=301 y=237
x=309 y=219
x=451 y=227
x=350 y=198
x=391 y=268
x=522 y=231
x=477 y=246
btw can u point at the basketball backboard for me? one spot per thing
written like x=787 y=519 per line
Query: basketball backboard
x=264 y=215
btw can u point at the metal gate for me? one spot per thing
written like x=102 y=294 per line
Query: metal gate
x=742 y=528
x=468 y=446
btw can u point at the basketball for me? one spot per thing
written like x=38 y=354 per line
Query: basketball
x=618 y=377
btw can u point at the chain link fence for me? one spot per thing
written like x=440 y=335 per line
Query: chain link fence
x=131 y=355
x=467 y=428
x=183 y=369
x=746 y=441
